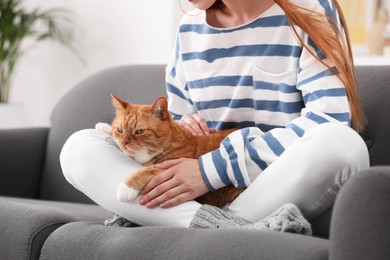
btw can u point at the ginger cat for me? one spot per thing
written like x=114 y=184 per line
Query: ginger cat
x=149 y=135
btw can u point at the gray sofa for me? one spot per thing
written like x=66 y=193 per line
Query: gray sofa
x=43 y=217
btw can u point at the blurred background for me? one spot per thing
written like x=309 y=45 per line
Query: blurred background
x=118 y=32
x=106 y=34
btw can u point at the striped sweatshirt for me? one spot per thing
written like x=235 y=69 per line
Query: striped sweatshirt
x=257 y=77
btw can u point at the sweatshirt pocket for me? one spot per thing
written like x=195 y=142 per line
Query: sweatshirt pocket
x=275 y=81
x=276 y=95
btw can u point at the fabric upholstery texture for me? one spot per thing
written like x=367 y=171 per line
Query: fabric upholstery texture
x=360 y=225
x=101 y=242
x=25 y=224
x=22 y=155
x=374 y=92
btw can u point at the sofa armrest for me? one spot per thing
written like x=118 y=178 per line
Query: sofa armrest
x=22 y=153
x=360 y=222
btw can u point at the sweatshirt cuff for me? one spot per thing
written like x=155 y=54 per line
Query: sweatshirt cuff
x=214 y=170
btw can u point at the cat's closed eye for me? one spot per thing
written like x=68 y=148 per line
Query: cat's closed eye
x=139 y=131
x=119 y=130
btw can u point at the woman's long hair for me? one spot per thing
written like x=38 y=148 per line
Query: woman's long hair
x=333 y=43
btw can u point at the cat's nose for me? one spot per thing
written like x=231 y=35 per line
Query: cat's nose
x=125 y=141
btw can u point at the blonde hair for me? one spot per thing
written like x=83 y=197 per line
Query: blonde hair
x=333 y=44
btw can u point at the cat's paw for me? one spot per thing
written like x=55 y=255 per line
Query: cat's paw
x=105 y=128
x=125 y=193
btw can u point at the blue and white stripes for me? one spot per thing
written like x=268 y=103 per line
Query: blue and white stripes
x=256 y=77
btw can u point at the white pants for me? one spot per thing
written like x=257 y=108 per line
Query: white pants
x=309 y=174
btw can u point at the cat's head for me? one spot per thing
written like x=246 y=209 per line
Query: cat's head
x=142 y=131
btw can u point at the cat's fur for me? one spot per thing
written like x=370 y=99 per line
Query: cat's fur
x=149 y=135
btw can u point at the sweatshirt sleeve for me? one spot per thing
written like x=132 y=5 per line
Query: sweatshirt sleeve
x=179 y=100
x=245 y=153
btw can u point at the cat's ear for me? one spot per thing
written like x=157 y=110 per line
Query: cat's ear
x=118 y=103
x=160 y=108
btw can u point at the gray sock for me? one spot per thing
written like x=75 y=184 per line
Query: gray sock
x=287 y=218
x=213 y=217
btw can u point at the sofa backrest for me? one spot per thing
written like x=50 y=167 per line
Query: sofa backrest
x=374 y=92
x=89 y=102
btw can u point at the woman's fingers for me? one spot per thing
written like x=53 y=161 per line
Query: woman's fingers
x=195 y=124
x=168 y=198
x=201 y=123
x=155 y=194
x=183 y=197
x=179 y=183
x=156 y=181
x=186 y=127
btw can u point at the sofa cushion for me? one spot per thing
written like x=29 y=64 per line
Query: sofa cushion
x=360 y=225
x=26 y=223
x=90 y=241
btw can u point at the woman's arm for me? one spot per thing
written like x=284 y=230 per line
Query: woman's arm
x=244 y=154
x=179 y=99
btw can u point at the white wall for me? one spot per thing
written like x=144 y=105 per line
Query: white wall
x=108 y=33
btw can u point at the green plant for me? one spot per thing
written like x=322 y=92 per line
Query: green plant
x=18 y=24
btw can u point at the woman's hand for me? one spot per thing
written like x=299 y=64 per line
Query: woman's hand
x=195 y=124
x=180 y=182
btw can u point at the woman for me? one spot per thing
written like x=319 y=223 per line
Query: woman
x=282 y=72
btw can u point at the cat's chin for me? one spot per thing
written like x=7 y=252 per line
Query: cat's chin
x=140 y=156
x=143 y=156
x=128 y=152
